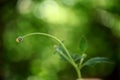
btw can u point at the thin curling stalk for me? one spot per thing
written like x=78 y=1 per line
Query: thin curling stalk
x=67 y=57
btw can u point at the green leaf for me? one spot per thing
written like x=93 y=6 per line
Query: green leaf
x=60 y=50
x=95 y=60
x=76 y=57
x=83 y=44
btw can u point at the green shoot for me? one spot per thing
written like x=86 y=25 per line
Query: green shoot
x=63 y=52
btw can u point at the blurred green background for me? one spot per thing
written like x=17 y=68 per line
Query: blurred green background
x=34 y=58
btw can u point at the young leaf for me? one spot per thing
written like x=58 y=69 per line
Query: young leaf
x=96 y=60
x=83 y=44
x=59 y=49
x=76 y=57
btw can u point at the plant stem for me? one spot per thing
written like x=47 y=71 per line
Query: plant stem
x=51 y=36
x=78 y=72
x=68 y=57
x=80 y=64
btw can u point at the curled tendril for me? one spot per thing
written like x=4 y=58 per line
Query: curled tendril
x=19 y=39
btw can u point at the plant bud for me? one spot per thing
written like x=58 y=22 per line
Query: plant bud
x=19 y=39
